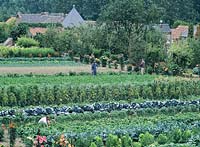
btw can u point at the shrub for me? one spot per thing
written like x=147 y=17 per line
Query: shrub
x=129 y=67
x=196 y=70
x=176 y=136
x=113 y=141
x=97 y=53
x=186 y=135
x=162 y=139
x=137 y=144
x=81 y=142
x=93 y=145
x=126 y=141
x=99 y=141
x=27 y=42
x=25 y=52
x=104 y=61
x=86 y=59
x=146 y=139
x=114 y=57
x=149 y=70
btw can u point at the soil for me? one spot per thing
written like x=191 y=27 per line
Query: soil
x=52 y=69
x=5 y=142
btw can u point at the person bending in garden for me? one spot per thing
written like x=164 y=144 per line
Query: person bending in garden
x=94 y=68
x=44 y=120
x=142 y=66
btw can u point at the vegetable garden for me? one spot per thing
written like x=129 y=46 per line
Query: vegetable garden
x=112 y=110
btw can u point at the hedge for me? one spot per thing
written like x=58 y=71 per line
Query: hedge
x=25 y=95
x=25 y=52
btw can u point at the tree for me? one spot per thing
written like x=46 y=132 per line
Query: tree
x=128 y=19
x=137 y=49
x=19 y=30
x=181 y=54
x=194 y=44
x=3 y=32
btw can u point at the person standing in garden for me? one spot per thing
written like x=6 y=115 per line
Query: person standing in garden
x=94 y=68
x=142 y=66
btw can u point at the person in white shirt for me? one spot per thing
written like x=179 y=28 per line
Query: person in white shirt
x=44 y=120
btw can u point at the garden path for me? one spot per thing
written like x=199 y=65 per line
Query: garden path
x=5 y=143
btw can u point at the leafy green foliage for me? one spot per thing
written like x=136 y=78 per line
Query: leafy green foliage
x=78 y=92
x=146 y=139
x=179 y=136
x=25 y=52
x=113 y=141
x=137 y=144
x=181 y=54
x=99 y=142
x=27 y=42
x=93 y=145
x=18 y=31
x=126 y=141
x=162 y=139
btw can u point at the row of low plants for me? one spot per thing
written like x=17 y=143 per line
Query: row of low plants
x=33 y=114
x=26 y=52
x=92 y=123
x=134 y=126
x=145 y=139
x=18 y=59
x=38 y=63
x=24 y=95
x=102 y=107
x=75 y=79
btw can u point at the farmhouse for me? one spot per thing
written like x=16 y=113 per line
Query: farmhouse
x=165 y=29
x=181 y=32
x=73 y=19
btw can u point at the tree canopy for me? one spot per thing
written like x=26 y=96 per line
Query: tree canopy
x=169 y=10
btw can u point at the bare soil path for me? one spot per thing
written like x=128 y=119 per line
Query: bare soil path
x=52 y=69
x=5 y=142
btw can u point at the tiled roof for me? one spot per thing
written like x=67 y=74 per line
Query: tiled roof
x=40 y=18
x=73 y=19
x=180 y=31
x=35 y=31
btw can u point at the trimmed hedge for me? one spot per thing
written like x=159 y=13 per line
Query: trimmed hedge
x=25 y=52
x=27 y=42
x=24 y=95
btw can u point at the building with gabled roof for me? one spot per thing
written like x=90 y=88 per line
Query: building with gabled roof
x=43 y=17
x=180 y=32
x=73 y=19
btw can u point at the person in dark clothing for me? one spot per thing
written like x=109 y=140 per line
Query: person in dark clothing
x=142 y=66
x=94 y=68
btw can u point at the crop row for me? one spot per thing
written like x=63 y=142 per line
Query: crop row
x=99 y=107
x=18 y=59
x=37 y=62
x=175 y=138
x=114 y=78
x=25 y=95
x=131 y=125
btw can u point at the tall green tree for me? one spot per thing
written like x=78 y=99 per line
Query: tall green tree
x=129 y=20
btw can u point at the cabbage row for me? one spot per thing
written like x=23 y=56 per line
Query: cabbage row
x=99 y=107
